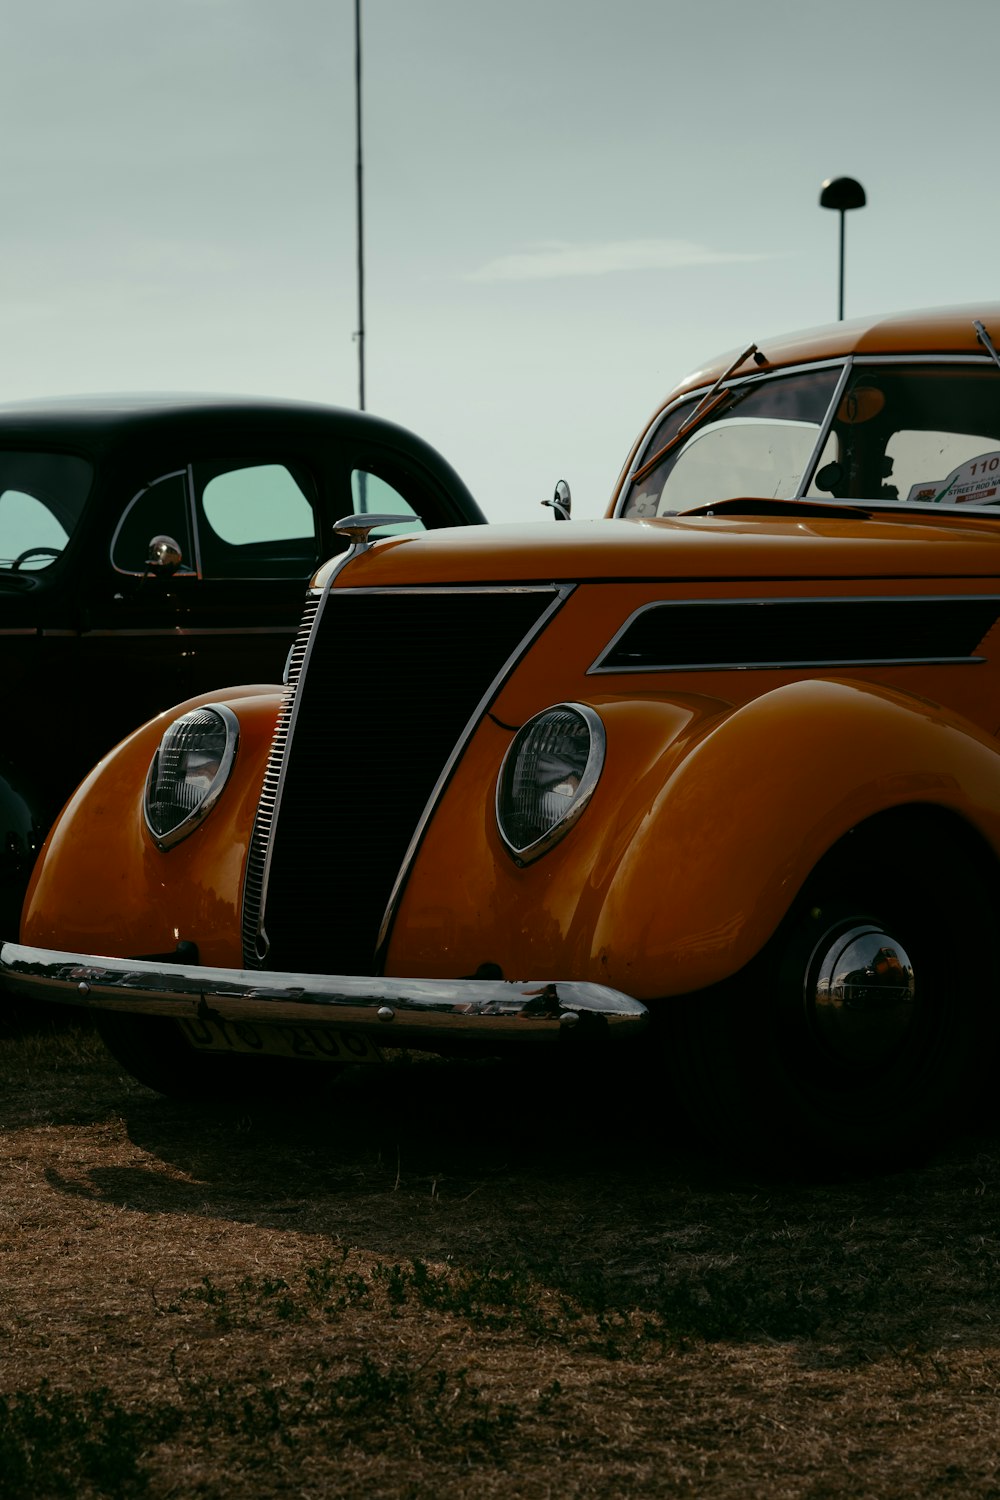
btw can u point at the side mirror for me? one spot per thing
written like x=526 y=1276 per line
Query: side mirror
x=164 y=556
x=561 y=502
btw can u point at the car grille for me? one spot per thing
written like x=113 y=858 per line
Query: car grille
x=390 y=684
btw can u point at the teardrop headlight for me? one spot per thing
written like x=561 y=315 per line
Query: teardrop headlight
x=547 y=778
x=188 y=772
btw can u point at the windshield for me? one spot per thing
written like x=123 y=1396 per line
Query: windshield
x=912 y=434
x=41 y=500
x=757 y=440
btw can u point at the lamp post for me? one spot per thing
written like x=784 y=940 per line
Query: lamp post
x=842 y=193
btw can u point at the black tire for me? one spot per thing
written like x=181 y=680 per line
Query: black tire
x=154 y=1051
x=859 y=1036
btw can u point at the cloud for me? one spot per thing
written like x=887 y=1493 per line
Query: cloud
x=559 y=258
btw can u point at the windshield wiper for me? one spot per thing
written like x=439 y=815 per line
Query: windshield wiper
x=708 y=402
x=986 y=341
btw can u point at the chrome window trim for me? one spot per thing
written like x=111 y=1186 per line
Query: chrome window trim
x=588 y=781
x=921 y=359
x=597 y=669
x=826 y=427
x=194 y=566
x=175 y=632
x=165 y=841
x=193 y=522
x=183 y=472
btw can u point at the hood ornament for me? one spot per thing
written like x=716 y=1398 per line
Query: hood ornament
x=357 y=527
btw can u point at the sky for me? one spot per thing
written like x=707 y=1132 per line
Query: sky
x=568 y=204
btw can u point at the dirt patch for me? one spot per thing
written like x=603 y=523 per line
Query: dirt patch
x=437 y=1280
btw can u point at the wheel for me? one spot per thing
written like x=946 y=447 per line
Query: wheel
x=153 y=1050
x=862 y=1029
x=30 y=552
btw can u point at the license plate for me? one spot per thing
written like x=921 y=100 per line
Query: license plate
x=321 y=1044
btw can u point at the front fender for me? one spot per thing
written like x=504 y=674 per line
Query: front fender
x=102 y=886
x=737 y=828
x=704 y=827
x=23 y=819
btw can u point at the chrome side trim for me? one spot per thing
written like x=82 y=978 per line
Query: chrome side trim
x=176 y=632
x=396 y=1011
x=600 y=667
x=795 y=665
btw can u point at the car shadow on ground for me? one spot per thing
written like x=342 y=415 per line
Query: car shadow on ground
x=585 y=1181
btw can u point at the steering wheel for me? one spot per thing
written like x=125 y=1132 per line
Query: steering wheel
x=30 y=552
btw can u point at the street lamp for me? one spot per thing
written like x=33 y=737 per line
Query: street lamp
x=842 y=193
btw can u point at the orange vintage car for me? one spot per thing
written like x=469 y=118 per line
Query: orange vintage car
x=716 y=777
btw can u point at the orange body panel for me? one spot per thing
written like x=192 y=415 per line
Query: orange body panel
x=102 y=885
x=705 y=824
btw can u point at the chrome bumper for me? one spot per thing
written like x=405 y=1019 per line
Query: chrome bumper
x=393 y=1012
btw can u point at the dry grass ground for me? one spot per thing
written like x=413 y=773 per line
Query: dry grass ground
x=450 y=1280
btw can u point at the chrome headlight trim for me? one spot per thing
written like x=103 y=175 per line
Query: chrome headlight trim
x=201 y=804
x=529 y=742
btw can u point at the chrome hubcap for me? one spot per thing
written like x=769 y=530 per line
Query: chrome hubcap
x=860 y=993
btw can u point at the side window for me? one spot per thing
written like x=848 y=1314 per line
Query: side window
x=373 y=495
x=28 y=526
x=42 y=496
x=161 y=509
x=955 y=467
x=256 y=521
x=920 y=434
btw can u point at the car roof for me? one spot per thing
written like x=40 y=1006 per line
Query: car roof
x=943 y=330
x=100 y=420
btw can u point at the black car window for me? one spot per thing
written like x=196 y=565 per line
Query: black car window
x=256 y=521
x=161 y=509
x=42 y=497
x=373 y=495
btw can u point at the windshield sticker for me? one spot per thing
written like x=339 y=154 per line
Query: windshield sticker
x=974 y=483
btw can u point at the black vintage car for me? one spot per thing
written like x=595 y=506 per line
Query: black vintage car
x=153 y=547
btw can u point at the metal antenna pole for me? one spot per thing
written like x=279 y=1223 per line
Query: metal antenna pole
x=360 y=335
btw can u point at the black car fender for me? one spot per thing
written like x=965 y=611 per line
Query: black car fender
x=24 y=817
